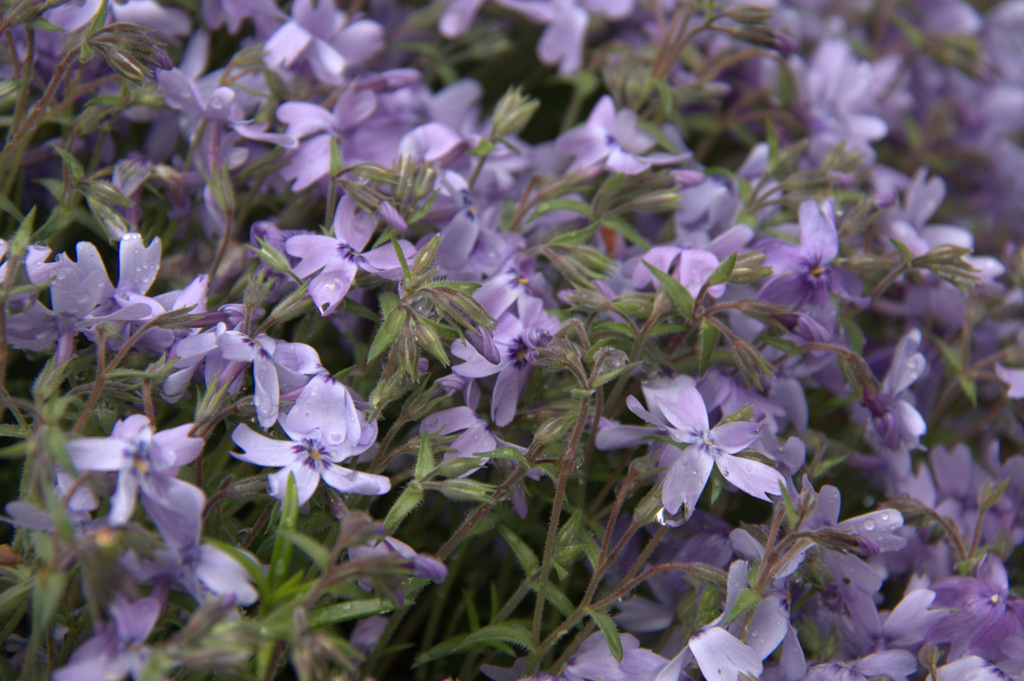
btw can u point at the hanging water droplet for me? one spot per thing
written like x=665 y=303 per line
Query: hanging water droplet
x=422 y=306
x=614 y=361
x=667 y=519
x=869 y=525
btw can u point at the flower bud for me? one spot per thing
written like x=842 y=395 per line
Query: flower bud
x=512 y=113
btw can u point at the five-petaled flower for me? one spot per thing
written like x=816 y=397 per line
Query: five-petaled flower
x=686 y=422
x=325 y=428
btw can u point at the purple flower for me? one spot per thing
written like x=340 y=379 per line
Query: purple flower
x=76 y=291
x=691 y=267
x=804 y=275
x=517 y=340
x=117 y=650
x=686 y=422
x=983 y=613
x=278 y=367
x=611 y=140
x=145 y=462
x=894 y=665
x=325 y=39
x=332 y=262
x=315 y=126
x=896 y=425
x=325 y=429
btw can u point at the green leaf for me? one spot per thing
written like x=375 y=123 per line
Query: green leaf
x=628 y=231
x=676 y=291
x=747 y=599
x=482 y=148
x=311 y=547
x=524 y=554
x=611 y=634
x=506 y=453
x=74 y=166
x=424 y=458
x=722 y=272
x=575 y=237
x=559 y=600
x=281 y=557
x=406 y=502
x=709 y=336
x=55 y=444
x=348 y=610
x=612 y=375
x=8 y=207
x=772 y=137
x=563 y=204
x=388 y=333
x=11 y=430
x=495 y=635
x=47 y=593
x=970 y=388
x=516 y=634
x=337 y=164
x=905 y=254
x=99 y=20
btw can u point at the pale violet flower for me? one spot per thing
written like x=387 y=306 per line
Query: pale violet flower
x=686 y=422
x=325 y=428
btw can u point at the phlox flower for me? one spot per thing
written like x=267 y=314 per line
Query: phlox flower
x=686 y=422
x=982 y=612
x=805 y=277
x=146 y=463
x=117 y=649
x=516 y=339
x=325 y=39
x=325 y=428
x=612 y=140
x=331 y=262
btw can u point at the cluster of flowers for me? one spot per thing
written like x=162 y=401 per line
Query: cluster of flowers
x=692 y=386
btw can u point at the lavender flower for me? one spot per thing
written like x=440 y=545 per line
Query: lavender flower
x=146 y=462
x=517 y=339
x=686 y=422
x=983 y=613
x=805 y=277
x=332 y=262
x=612 y=141
x=118 y=649
x=325 y=429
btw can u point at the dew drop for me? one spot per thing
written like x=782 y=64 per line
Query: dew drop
x=884 y=517
x=430 y=423
x=667 y=519
x=307 y=413
x=257 y=401
x=422 y=306
x=755 y=634
x=869 y=525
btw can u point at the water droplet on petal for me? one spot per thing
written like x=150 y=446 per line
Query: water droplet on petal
x=884 y=517
x=667 y=519
x=430 y=423
x=869 y=525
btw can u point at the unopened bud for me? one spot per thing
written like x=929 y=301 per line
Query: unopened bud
x=512 y=113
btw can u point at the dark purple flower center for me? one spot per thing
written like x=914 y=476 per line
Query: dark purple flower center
x=346 y=252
